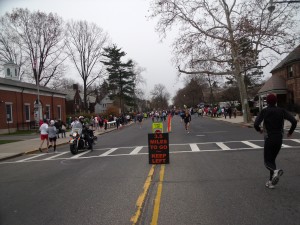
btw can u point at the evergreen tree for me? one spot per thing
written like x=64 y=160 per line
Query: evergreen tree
x=121 y=79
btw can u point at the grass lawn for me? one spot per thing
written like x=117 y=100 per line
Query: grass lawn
x=2 y=142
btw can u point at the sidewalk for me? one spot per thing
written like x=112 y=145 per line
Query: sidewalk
x=240 y=120
x=236 y=120
x=31 y=145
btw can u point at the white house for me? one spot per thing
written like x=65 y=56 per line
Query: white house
x=102 y=106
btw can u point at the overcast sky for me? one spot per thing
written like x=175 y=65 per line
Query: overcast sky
x=127 y=23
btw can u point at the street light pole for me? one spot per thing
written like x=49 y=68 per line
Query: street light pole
x=38 y=90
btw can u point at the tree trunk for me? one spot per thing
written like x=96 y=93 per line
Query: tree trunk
x=244 y=100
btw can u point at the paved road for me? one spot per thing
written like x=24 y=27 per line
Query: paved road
x=215 y=176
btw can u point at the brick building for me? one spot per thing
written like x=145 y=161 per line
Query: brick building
x=285 y=82
x=18 y=104
x=75 y=104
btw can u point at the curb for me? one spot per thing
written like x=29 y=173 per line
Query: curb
x=12 y=156
x=243 y=124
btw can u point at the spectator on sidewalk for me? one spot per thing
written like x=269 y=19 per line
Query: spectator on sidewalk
x=229 y=111
x=234 y=112
x=52 y=135
x=57 y=126
x=101 y=123
x=273 y=118
x=44 y=134
x=105 y=124
x=63 y=129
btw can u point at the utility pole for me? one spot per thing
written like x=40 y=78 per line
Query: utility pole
x=38 y=90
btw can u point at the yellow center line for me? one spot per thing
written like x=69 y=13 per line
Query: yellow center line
x=158 y=196
x=141 y=199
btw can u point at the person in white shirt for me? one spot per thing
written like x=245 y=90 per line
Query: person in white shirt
x=44 y=134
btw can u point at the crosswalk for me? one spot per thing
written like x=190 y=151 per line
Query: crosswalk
x=143 y=150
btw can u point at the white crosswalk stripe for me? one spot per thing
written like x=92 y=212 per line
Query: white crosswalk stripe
x=109 y=152
x=296 y=140
x=33 y=157
x=56 y=156
x=251 y=144
x=81 y=154
x=136 y=150
x=194 y=148
x=222 y=146
x=173 y=148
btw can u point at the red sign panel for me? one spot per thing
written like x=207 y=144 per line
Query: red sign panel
x=158 y=144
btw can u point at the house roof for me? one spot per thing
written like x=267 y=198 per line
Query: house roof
x=21 y=84
x=275 y=84
x=71 y=93
x=292 y=57
x=105 y=100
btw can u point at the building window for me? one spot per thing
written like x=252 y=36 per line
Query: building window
x=27 y=112
x=290 y=71
x=47 y=111
x=9 y=115
x=16 y=72
x=59 y=112
x=8 y=72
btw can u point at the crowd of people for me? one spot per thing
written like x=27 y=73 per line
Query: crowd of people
x=218 y=111
x=50 y=130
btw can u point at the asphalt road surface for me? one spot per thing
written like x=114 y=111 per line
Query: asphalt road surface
x=215 y=176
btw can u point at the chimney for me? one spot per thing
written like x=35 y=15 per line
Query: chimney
x=75 y=87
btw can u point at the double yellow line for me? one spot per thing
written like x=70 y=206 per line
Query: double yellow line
x=143 y=195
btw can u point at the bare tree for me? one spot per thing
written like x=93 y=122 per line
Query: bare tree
x=192 y=92
x=41 y=39
x=160 y=97
x=85 y=42
x=139 y=83
x=10 y=47
x=210 y=32
x=64 y=83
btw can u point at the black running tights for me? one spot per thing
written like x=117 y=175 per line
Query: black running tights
x=271 y=149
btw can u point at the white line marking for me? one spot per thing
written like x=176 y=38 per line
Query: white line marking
x=296 y=140
x=23 y=160
x=285 y=146
x=194 y=148
x=56 y=155
x=251 y=144
x=222 y=146
x=77 y=156
x=136 y=150
x=108 y=152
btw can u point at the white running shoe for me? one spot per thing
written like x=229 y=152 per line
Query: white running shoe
x=270 y=185
x=277 y=174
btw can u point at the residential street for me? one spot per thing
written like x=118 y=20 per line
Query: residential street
x=216 y=176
